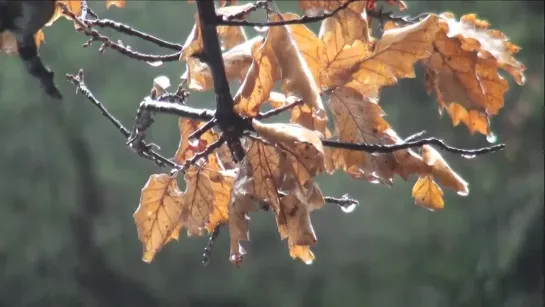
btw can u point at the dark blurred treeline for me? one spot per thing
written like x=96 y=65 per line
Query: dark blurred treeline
x=69 y=187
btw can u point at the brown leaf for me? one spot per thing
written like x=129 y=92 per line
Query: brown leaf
x=428 y=194
x=118 y=3
x=303 y=149
x=394 y=56
x=238 y=231
x=237 y=62
x=187 y=149
x=198 y=201
x=463 y=70
x=158 y=217
x=259 y=81
x=222 y=184
x=442 y=171
x=359 y=120
x=259 y=176
x=297 y=228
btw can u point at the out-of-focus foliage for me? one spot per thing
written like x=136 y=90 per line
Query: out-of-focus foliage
x=68 y=183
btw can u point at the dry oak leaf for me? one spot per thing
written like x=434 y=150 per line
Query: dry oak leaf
x=463 y=70
x=259 y=178
x=394 y=55
x=302 y=148
x=187 y=149
x=222 y=185
x=360 y=120
x=428 y=194
x=198 y=201
x=297 y=228
x=158 y=217
x=237 y=61
x=442 y=172
x=259 y=81
x=475 y=36
x=238 y=231
x=280 y=56
x=229 y=36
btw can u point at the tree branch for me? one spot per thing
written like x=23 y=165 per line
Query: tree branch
x=122 y=28
x=149 y=153
x=107 y=43
x=279 y=110
x=227 y=21
x=228 y=121
x=377 y=148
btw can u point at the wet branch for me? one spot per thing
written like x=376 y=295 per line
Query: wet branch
x=148 y=153
x=108 y=43
x=226 y=21
x=377 y=148
x=125 y=29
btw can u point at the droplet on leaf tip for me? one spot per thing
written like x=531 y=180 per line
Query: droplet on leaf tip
x=463 y=193
x=491 y=138
x=348 y=208
x=156 y=63
x=309 y=262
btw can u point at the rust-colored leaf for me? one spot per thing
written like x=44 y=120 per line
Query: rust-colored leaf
x=187 y=149
x=302 y=148
x=428 y=194
x=158 y=217
x=463 y=70
x=394 y=55
x=198 y=201
x=297 y=228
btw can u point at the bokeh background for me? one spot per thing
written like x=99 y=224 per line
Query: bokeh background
x=69 y=187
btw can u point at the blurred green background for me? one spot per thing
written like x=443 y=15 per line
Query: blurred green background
x=69 y=187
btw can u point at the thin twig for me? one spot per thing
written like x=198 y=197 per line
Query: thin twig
x=202 y=130
x=122 y=28
x=106 y=42
x=343 y=202
x=167 y=107
x=78 y=81
x=279 y=110
x=302 y=20
x=377 y=148
x=208 y=248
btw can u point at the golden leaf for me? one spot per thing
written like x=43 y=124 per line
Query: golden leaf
x=359 y=120
x=259 y=176
x=297 y=228
x=428 y=194
x=463 y=70
x=302 y=148
x=394 y=56
x=237 y=62
x=442 y=171
x=198 y=201
x=187 y=149
x=222 y=184
x=158 y=217
x=259 y=81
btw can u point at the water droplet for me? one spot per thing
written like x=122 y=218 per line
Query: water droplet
x=491 y=138
x=463 y=193
x=348 y=208
x=469 y=156
x=309 y=262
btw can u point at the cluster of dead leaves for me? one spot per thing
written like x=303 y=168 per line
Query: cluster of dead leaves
x=345 y=62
